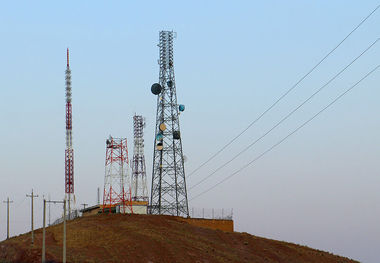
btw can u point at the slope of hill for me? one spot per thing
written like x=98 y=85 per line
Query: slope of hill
x=153 y=239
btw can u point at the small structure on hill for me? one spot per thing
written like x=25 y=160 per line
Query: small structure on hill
x=91 y=210
x=138 y=207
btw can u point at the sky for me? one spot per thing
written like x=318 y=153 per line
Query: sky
x=233 y=59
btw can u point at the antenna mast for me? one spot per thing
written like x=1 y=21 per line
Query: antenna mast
x=139 y=186
x=69 y=152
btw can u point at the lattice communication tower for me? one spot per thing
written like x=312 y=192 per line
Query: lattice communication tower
x=69 y=152
x=117 y=189
x=139 y=186
x=168 y=194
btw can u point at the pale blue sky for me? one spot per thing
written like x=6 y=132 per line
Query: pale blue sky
x=232 y=60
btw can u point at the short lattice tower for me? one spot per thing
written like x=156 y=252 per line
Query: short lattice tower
x=117 y=188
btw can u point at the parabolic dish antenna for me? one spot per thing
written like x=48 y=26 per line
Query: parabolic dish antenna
x=162 y=127
x=156 y=88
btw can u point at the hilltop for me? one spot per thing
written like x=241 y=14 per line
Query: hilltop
x=153 y=239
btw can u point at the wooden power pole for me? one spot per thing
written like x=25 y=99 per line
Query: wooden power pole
x=8 y=202
x=44 y=231
x=32 y=196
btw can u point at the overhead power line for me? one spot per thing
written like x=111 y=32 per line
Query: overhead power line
x=287 y=116
x=287 y=136
x=285 y=94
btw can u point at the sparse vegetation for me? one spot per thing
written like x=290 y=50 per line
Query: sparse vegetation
x=155 y=239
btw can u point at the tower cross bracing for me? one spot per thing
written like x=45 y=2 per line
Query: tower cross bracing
x=168 y=193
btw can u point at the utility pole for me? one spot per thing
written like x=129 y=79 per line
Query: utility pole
x=84 y=206
x=64 y=230
x=32 y=196
x=98 y=196
x=49 y=210
x=8 y=202
x=44 y=231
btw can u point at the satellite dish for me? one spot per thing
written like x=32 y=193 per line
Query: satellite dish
x=162 y=126
x=176 y=135
x=160 y=146
x=159 y=137
x=170 y=83
x=156 y=88
x=181 y=107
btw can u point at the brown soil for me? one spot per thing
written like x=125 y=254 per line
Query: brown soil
x=153 y=239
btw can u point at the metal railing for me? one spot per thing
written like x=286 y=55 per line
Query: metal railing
x=74 y=214
x=211 y=213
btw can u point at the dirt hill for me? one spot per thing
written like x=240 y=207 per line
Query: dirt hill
x=153 y=239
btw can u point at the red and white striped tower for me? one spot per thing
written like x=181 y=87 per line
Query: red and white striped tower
x=117 y=188
x=69 y=152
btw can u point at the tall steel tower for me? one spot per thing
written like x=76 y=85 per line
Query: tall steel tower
x=169 y=194
x=69 y=152
x=139 y=186
x=117 y=189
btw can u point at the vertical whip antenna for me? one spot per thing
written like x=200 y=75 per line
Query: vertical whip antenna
x=68 y=61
